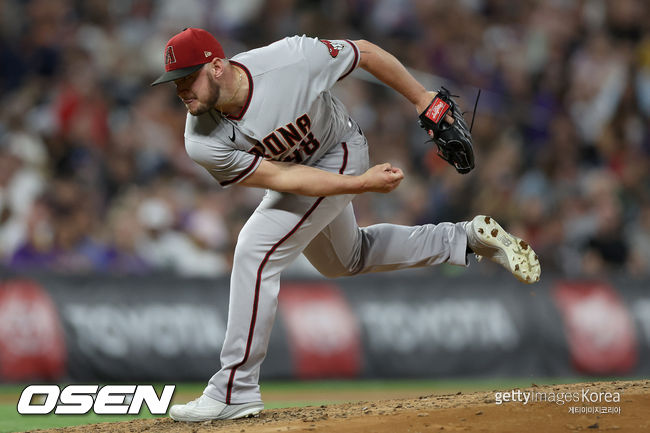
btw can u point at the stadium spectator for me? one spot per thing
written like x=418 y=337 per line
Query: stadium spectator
x=562 y=132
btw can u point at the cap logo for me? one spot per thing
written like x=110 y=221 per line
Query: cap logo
x=169 y=55
x=207 y=53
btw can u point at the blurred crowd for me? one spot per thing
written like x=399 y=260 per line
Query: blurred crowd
x=94 y=175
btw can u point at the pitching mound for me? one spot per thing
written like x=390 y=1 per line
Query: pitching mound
x=594 y=406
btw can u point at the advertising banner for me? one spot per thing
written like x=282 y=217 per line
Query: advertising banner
x=601 y=335
x=456 y=326
x=165 y=328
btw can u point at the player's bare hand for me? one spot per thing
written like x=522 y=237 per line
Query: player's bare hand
x=382 y=178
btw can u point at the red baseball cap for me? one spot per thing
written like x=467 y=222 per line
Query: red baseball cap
x=187 y=52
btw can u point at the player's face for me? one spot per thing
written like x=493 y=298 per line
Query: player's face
x=198 y=91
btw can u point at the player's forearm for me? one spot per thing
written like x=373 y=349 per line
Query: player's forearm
x=386 y=68
x=303 y=180
x=309 y=181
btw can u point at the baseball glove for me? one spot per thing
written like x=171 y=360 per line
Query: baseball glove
x=454 y=140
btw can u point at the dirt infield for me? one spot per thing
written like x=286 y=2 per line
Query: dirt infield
x=477 y=411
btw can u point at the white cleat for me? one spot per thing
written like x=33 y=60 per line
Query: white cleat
x=488 y=239
x=205 y=408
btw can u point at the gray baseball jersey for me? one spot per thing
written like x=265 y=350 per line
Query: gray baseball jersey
x=290 y=115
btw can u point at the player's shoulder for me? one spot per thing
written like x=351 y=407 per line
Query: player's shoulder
x=207 y=130
x=204 y=138
x=203 y=125
x=284 y=52
x=284 y=44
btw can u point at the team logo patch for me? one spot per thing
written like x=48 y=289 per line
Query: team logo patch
x=437 y=110
x=169 y=55
x=333 y=47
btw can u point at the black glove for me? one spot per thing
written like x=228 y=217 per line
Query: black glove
x=454 y=140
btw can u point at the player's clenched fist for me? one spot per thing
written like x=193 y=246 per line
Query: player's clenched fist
x=382 y=178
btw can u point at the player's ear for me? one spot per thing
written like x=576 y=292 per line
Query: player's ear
x=217 y=67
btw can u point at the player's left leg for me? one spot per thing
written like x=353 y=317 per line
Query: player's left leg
x=343 y=248
x=486 y=238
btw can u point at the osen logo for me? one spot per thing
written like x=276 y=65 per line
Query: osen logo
x=80 y=399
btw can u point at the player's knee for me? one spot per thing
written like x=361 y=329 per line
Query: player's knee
x=333 y=273
x=243 y=253
x=344 y=269
x=337 y=271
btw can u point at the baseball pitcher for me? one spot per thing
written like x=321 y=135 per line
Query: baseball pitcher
x=266 y=118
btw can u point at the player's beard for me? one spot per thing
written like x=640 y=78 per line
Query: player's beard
x=211 y=101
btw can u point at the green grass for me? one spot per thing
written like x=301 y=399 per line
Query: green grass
x=285 y=392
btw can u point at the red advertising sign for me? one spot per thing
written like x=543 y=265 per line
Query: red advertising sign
x=599 y=328
x=32 y=344
x=323 y=333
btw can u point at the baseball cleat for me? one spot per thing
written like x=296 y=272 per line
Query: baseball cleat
x=488 y=239
x=205 y=408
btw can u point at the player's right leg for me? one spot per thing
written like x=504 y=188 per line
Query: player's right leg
x=273 y=237
x=205 y=408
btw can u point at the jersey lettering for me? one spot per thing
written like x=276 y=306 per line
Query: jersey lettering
x=309 y=144
x=304 y=123
x=307 y=147
x=290 y=134
x=258 y=149
x=297 y=142
x=294 y=156
x=273 y=143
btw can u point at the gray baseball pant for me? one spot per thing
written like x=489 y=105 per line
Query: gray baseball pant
x=325 y=230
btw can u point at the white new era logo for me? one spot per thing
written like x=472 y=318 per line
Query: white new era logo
x=207 y=53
